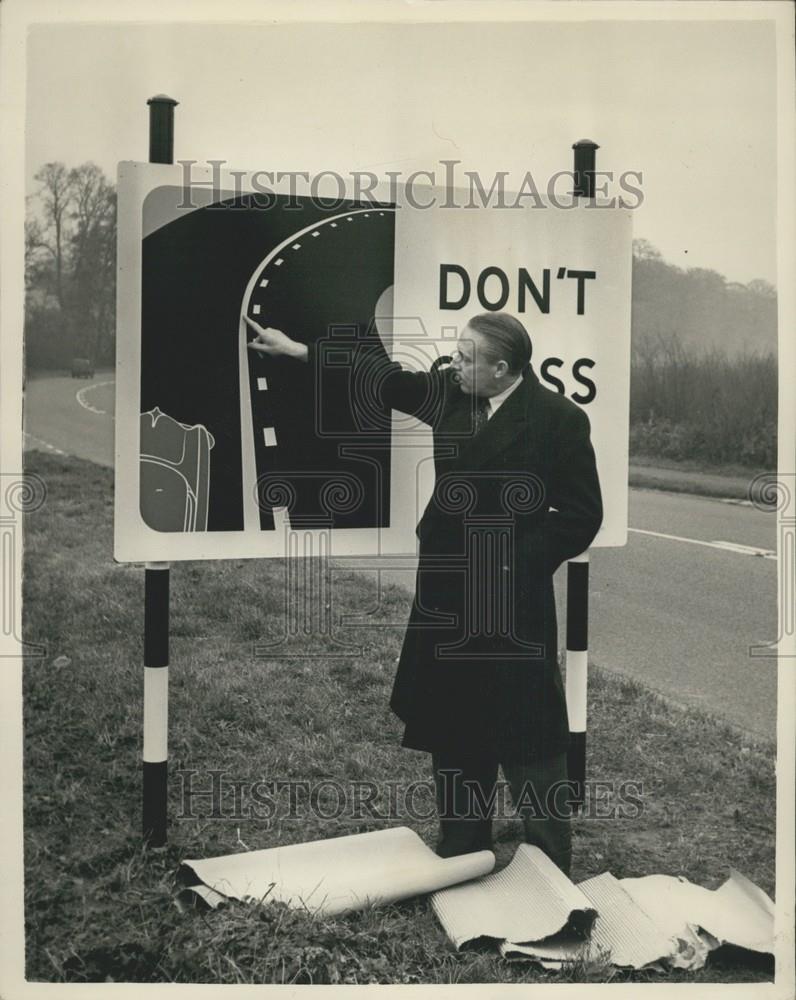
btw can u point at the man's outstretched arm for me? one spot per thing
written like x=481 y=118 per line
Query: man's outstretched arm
x=417 y=393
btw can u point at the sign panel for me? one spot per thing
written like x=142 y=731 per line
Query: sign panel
x=566 y=274
x=222 y=452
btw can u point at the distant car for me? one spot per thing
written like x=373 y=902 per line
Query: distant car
x=82 y=368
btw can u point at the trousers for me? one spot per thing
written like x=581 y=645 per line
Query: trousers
x=467 y=790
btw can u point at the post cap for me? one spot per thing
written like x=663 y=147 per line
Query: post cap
x=585 y=142
x=162 y=99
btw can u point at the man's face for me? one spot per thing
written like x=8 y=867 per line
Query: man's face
x=476 y=374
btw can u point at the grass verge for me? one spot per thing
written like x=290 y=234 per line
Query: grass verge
x=98 y=908
x=725 y=481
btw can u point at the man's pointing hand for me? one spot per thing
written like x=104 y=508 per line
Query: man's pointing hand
x=272 y=341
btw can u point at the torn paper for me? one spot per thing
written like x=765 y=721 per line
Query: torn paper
x=529 y=900
x=737 y=913
x=622 y=933
x=655 y=922
x=344 y=873
x=658 y=921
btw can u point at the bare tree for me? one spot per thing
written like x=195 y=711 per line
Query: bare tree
x=54 y=197
x=92 y=256
x=70 y=265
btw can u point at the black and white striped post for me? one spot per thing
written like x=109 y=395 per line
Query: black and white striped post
x=156 y=703
x=577 y=671
x=156 y=593
x=578 y=572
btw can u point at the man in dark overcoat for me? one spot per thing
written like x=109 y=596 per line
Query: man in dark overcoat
x=516 y=494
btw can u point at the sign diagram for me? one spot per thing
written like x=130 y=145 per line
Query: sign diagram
x=229 y=445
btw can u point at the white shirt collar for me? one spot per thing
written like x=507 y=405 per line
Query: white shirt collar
x=495 y=402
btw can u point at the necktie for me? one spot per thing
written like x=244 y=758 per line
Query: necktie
x=481 y=413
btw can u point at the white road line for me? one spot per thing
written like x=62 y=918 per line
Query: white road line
x=745 y=550
x=81 y=397
x=44 y=444
x=249 y=464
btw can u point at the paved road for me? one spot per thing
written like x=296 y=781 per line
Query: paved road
x=678 y=608
x=71 y=415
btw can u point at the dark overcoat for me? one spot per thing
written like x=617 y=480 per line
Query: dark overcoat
x=478 y=671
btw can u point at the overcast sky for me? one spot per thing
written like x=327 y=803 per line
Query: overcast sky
x=690 y=105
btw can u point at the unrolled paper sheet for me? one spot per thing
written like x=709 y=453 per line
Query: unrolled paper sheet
x=737 y=913
x=529 y=900
x=622 y=934
x=344 y=873
x=652 y=922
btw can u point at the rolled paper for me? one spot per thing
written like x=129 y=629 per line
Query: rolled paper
x=341 y=874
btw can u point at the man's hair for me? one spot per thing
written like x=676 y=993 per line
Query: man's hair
x=507 y=339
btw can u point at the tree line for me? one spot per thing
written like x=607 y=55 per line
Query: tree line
x=698 y=309
x=70 y=274
x=70 y=267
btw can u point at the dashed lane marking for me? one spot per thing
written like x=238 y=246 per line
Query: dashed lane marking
x=44 y=444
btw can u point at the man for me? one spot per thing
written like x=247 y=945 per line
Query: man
x=516 y=494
